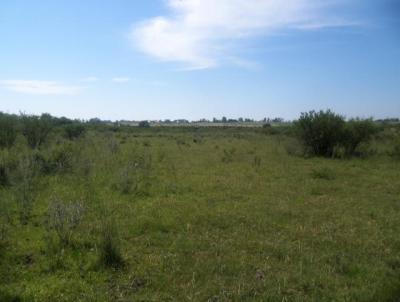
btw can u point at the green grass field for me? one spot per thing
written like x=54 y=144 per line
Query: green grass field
x=199 y=215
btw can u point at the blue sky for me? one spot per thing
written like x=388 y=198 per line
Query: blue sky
x=193 y=59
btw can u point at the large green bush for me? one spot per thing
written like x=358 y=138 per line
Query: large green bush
x=326 y=133
x=320 y=131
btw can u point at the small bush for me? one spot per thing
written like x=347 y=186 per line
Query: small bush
x=24 y=182
x=292 y=146
x=64 y=218
x=61 y=158
x=135 y=177
x=5 y=219
x=355 y=133
x=4 y=175
x=110 y=254
x=228 y=155
x=257 y=162
x=395 y=153
x=8 y=297
x=323 y=173
x=113 y=145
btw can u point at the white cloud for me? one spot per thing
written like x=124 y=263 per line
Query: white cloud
x=39 y=87
x=199 y=33
x=90 y=79
x=121 y=80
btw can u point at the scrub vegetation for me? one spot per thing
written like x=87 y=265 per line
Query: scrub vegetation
x=303 y=211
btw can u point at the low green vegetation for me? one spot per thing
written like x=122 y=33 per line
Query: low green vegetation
x=308 y=211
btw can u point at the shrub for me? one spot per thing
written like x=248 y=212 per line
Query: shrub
x=144 y=124
x=61 y=157
x=74 y=131
x=36 y=129
x=256 y=162
x=5 y=219
x=4 y=174
x=320 y=131
x=8 y=132
x=64 y=218
x=228 y=155
x=135 y=177
x=325 y=133
x=395 y=153
x=25 y=187
x=355 y=133
x=110 y=254
x=113 y=145
x=323 y=173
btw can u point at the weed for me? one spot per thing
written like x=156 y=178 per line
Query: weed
x=110 y=254
x=228 y=155
x=64 y=218
x=323 y=173
x=395 y=152
x=25 y=186
x=257 y=162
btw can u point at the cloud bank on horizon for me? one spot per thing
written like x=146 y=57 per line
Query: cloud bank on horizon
x=36 y=87
x=200 y=33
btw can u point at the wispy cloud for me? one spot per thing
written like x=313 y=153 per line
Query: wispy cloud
x=90 y=79
x=198 y=33
x=35 y=87
x=121 y=80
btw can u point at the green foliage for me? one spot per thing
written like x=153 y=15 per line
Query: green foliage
x=257 y=162
x=64 y=218
x=228 y=155
x=176 y=217
x=4 y=174
x=110 y=254
x=326 y=133
x=36 y=129
x=7 y=297
x=25 y=186
x=355 y=133
x=8 y=131
x=323 y=173
x=395 y=152
x=144 y=124
x=320 y=131
x=61 y=157
x=135 y=177
x=74 y=131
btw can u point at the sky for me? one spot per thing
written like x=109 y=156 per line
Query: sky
x=193 y=59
